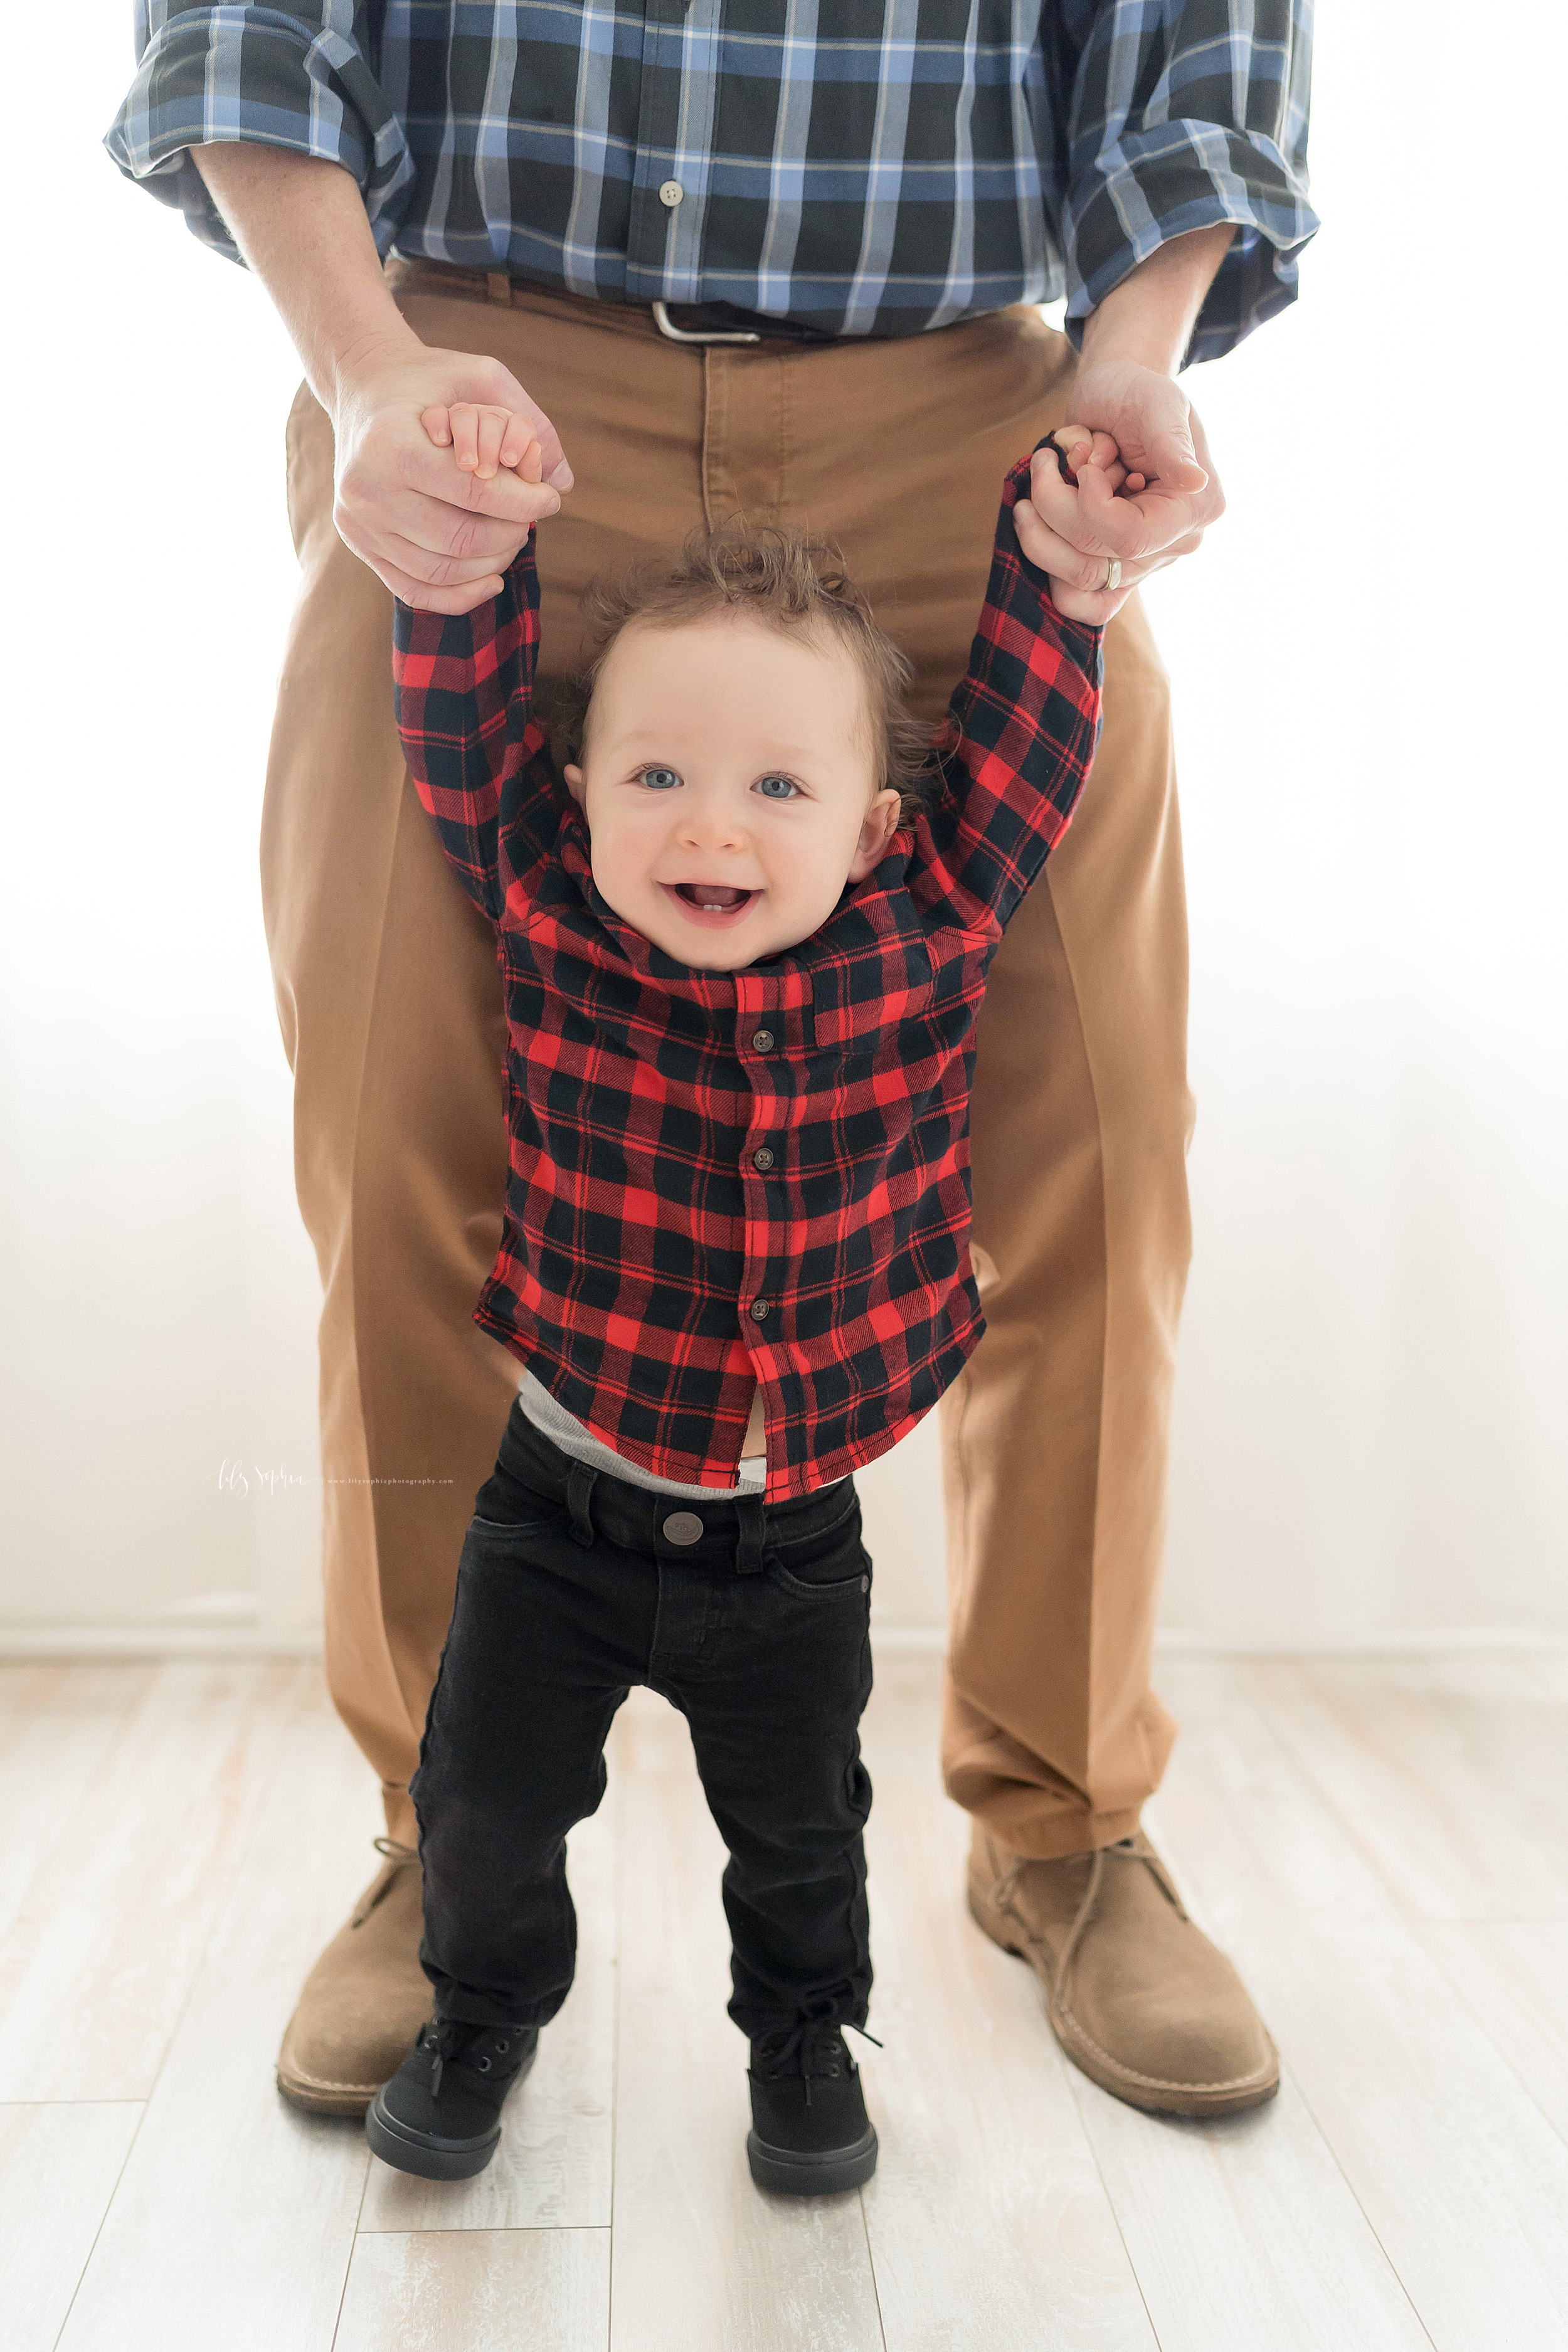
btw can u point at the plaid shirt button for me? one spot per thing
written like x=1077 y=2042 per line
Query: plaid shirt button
x=762 y=1039
x=759 y=1310
x=762 y=1158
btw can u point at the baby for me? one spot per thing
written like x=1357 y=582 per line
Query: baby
x=743 y=930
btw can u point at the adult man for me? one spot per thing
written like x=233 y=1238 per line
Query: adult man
x=761 y=262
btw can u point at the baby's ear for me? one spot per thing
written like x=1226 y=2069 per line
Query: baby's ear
x=881 y=824
x=573 y=775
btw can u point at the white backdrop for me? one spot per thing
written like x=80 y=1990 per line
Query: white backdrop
x=1367 y=658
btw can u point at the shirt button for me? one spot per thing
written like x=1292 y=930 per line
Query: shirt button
x=759 y=1310
x=670 y=194
x=762 y=1158
x=762 y=1039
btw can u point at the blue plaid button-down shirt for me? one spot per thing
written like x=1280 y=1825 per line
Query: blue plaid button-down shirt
x=868 y=167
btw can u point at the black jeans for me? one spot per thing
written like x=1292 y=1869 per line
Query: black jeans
x=572 y=1587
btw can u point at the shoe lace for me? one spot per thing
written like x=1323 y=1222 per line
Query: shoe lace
x=450 y=2038
x=1133 y=1849
x=398 y=1858
x=815 y=2050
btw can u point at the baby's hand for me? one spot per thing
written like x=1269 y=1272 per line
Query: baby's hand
x=1082 y=448
x=483 y=440
x=1079 y=517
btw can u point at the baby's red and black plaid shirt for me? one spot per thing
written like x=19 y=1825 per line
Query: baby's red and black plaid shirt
x=761 y=1176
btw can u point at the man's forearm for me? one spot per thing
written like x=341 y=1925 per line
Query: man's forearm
x=436 y=535
x=1132 y=345
x=300 y=224
x=1150 y=317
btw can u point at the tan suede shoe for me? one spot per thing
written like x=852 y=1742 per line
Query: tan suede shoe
x=363 y=2001
x=1136 y=1995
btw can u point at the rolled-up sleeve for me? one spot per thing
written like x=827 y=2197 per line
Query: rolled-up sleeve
x=301 y=76
x=1178 y=115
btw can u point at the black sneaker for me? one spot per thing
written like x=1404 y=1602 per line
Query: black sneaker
x=440 y=2114
x=810 y=2134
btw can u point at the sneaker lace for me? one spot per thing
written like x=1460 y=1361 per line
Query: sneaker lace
x=450 y=2038
x=815 y=2050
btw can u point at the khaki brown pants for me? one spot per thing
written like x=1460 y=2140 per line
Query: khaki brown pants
x=389 y=997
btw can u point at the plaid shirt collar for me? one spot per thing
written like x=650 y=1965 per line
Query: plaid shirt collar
x=783 y=980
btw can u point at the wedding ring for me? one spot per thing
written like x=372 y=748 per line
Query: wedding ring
x=1113 y=575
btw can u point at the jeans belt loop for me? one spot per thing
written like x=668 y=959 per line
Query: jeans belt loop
x=752 y=1537
x=579 y=1487
x=497 y=287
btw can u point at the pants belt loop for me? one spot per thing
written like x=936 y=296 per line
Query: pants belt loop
x=751 y=1543
x=579 y=1486
x=498 y=286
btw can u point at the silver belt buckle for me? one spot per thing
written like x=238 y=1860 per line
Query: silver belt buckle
x=667 y=327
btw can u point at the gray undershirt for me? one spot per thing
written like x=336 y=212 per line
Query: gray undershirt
x=564 y=1430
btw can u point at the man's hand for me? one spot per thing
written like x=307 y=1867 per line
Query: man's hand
x=436 y=532
x=1126 y=388
x=1073 y=533
x=439 y=530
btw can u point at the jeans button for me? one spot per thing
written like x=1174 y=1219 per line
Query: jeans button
x=682 y=1527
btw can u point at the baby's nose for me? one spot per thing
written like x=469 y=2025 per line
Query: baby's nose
x=714 y=826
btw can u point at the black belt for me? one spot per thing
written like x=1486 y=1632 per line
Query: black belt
x=697 y=322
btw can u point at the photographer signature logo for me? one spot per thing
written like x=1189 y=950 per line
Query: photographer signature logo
x=246 y=1478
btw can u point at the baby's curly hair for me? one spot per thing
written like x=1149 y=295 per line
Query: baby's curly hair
x=787 y=581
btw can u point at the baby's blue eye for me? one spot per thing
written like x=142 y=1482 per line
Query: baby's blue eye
x=660 y=780
x=777 y=788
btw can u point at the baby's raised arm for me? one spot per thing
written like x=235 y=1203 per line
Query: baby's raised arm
x=1020 y=732
x=463 y=684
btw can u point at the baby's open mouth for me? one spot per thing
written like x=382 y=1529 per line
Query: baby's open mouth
x=712 y=898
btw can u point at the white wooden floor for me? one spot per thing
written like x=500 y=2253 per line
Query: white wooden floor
x=1382 y=1846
